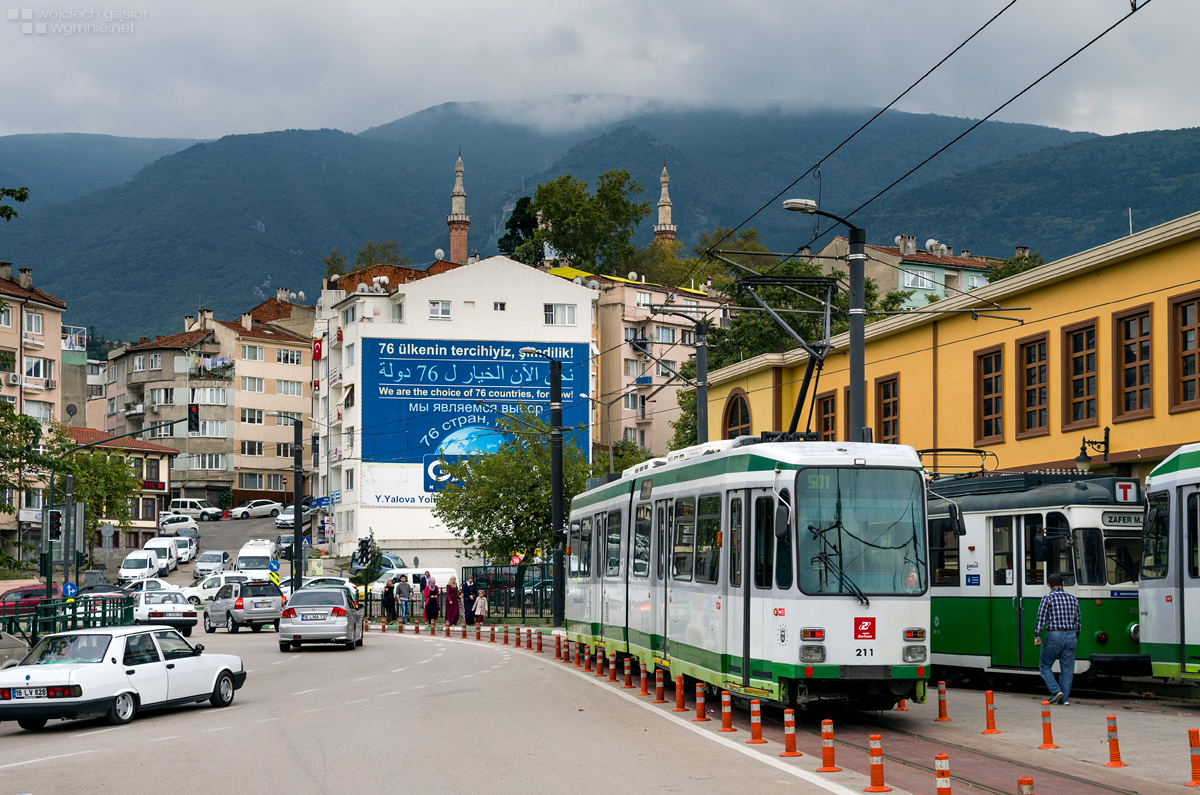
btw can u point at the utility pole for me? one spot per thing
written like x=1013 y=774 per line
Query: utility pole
x=701 y=382
x=858 y=320
x=298 y=515
x=558 y=609
x=69 y=534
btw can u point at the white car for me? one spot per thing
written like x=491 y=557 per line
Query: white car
x=185 y=548
x=317 y=582
x=168 y=556
x=256 y=508
x=201 y=590
x=139 y=565
x=151 y=584
x=68 y=675
x=164 y=608
x=173 y=522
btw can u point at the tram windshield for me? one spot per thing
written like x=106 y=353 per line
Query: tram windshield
x=861 y=529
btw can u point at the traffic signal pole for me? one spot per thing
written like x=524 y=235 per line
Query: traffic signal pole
x=297 y=515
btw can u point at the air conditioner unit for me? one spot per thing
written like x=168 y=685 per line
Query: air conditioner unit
x=154 y=409
x=51 y=384
x=14 y=379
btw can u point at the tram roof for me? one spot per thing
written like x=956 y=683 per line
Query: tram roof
x=1187 y=457
x=1014 y=491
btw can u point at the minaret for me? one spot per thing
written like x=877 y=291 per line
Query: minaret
x=458 y=220
x=664 y=229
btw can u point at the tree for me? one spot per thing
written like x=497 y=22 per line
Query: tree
x=103 y=479
x=335 y=264
x=521 y=226
x=625 y=452
x=7 y=212
x=499 y=504
x=588 y=231
x=386 y=253
x=23 y=459
x=1014 y=265
x=685 y=425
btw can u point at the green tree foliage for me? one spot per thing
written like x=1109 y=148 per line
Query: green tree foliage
x=592 y=231
x=98 y=345
x=1014 y=265
x=685 y=425
x=386 y=253
x=23 y=456
x=335 y=264
x=625 y=454
x=499 y=504
x=7 y=211
x=521 y=226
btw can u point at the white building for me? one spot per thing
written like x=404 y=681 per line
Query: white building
x=416 y=362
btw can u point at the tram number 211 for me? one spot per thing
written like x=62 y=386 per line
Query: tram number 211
x=864 y=652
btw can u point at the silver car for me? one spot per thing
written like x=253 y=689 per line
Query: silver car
x=321 y=615
x=244 y=604
x=212 y=562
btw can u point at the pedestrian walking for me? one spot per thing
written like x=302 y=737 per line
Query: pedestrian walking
x=403 y=596
x=431 y=594
x=1059 y=614
x=470 y=592
x=389 y=602
x=481 y=608
x=452 y=601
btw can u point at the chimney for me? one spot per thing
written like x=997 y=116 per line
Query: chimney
x=966 y=253
x=188 y=320
x=949 y=250
x=143 y=340
x=158 y=337
x=26 y=279
x=205 y=318
x=281 y=295
x=5 y=270
x=247 y=321
x=908 y=244
x=1022 y=251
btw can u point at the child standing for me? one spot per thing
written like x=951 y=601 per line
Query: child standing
x=481 y=607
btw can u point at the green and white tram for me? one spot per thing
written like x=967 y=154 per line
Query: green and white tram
x=1170 y=590
x=793 y=572
x=1017 y=529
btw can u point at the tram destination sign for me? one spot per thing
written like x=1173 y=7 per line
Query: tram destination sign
x=1122 y=519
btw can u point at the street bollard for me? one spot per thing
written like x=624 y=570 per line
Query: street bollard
x=505 y=635
x=941 y=769
x=612 y=667
x=627 y=664
x=539 y=643
x=1114 y=747
x=679 y=707
x=417 y=627
x=659 y=688
x=587 y=658
x=942 y=717
x=383 y=626
x=1194 y=750
x=478 y=632
x=877 y=785
x=558 y=647
x=645 y=682
x=991 y=713
x=789 y=734
x=1025 y=786
x=901 y=707
x=492 y=634
x=828 y=764
x=464 y=629
x=755 y=723
x=529 y=639
x=700 y=716
x=366 y=625
x=447 y=630
x=517 y=637
x=578 y=653
x=726 y=712
x=400 y=628
x=1047 y=730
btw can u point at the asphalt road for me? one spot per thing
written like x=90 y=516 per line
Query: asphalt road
x=229 y=535
x=401 y=714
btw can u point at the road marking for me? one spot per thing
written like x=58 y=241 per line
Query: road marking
x=466 y=676
x=365 y=678
x=393 y=693
x=494 y=667
x=419 y=687
x=445 y=681
x=302 y=692
x=281 y=662
x=422 y=662
x=98 y=731
x=267 y=720
x=486 y=672
x=253 y=670
x=398 y=670
x=47 y=758
x=218 y=729
x=356 y=701
x=160 y=739
x=318 y=709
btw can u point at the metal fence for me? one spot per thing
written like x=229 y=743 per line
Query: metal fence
x=513 y=592
x=62 y=615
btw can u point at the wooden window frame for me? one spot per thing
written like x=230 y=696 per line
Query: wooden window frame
x=1174 y=403
x=735 y=393
x=1024 y=432
x=830 y=395
x=879 y=384
x=977 y=395
x=1066 y=377
x=1118 y=362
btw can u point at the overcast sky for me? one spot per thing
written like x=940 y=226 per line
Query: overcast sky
x=202 y=70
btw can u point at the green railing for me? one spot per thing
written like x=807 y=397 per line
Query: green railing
x=63 y=615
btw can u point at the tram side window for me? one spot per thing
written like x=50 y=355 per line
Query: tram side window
x=613 y=564
x=641 y=542
x=585 y=547
x=573 y=558
x=783 y=551
x=1155 y=557
x=708 y=529
x=1121 y=552
x=1193 y=544
x=1089 y=554
x=1002 y=551
x=685 y=538
x=1035 y=573
x=943 y=552
x=735 y=542
x=764 y=541
x=661 y=537
x=1058 y=559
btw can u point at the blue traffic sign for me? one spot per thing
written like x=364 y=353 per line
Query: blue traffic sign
x=70 y=589
x=274 y=566
x=307 y=541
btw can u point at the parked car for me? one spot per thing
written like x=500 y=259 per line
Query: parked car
x=166 y=608
x=321 y=615
x=102 y=591
x=255 y=557
x=24 y=599
x=12 y=650
x=191 y=532
x=138 y=565
x=214 y=561
x=185 y=548
x=203 y=510
x=389 y=561
x=168 y=556
x=172 y=523
x=286 y=517
x=239 y=604
x=202 y=590
x=256 y=508
x=318 y=582
x=151 y=584
x=68 y=676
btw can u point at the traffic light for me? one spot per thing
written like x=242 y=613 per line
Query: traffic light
x=364 y=551
x=56 y=525
x=193 y=418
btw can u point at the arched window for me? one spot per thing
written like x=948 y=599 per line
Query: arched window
x=737 y=416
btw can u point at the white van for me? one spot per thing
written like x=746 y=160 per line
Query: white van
x=166 y=552
x=255 y=557
x=137 y=565
x=203 y=510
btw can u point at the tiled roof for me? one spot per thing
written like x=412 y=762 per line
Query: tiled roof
x=934 y=259
x=274 y=309
x=13 y=287
x=184 y=340
x=569 y=273
x=397 y=274
x=90 y=435
x=263 y=331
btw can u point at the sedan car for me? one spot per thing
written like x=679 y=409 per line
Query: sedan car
x=101 y=591
x=212 y=562
x=185 y=549
x=321 y=615
x=287 y=517
x=151 y=584
x=318 y=582
x=166 y=608
x=172 y=523
x=24 y=599
x=239 y=604
x=69 y=675
x=256 y=508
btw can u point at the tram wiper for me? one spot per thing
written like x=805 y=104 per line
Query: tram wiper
x=845 y=578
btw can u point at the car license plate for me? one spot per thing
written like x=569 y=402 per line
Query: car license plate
x=262 y=604
x=29 y=692
x=312 y=616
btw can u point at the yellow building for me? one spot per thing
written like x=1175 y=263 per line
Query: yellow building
x=1109 y=340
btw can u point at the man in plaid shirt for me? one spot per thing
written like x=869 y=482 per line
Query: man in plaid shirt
x=1058 y=613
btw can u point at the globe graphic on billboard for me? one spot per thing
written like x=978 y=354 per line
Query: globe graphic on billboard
x=472 y=440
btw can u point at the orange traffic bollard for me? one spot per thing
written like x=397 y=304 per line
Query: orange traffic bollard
x=517 y=637
x=679 y=707
x=400 y=628
x=726 y=712
x=942 y=717
x=659 y=688
x=539 y=644
x=644 y=680
x=877 y=785
x=529 y=639
x=1047 y=731
x=447 y=630
x=464 y=629
x=828 y=764
x=628 y=674
x=901 y=707
x=366 y=625
x=1025 y=786
x=588 y=654
x=1114 y=747
x=479 y=632
x=612 y=667
x=383 y=626
x=417 y=628
x=558 y=647
x=492 y=634
x=941 y=769
x=755 y=723
x=505 y=635
x=789 y=734
x=1194 y=749
x=700 y=716
x=991 y=713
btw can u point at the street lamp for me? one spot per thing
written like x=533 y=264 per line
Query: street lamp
x=558 y=600
x=608 y=409
x=1083 y=462
x=858 y=313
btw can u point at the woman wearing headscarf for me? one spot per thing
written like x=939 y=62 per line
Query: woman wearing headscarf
x=452 y=596
x=470 y=592
x=389 y=601
x=431 y=600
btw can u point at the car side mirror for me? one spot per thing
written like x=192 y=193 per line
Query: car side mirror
x=956 y=523
x=783 y=516
x=198 y=649
x=1039 y=548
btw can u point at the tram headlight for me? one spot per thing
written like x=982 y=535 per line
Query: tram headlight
x=915 y=654
x=812 y=654
x=1135 y=632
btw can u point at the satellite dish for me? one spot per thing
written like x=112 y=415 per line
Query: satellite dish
x=293 y=296
x=384 y=280
x=362 y=287
x=577 y=280
x=942 y=249
x=593 y=285
x=930 y=244
x=898 y=239
x=301 y=295
x=633 y=276
x=71 y=410
x=333 y=278
x=439 y=254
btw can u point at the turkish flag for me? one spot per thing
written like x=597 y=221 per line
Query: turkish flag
x=316 y=355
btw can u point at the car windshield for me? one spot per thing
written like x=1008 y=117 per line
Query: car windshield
x=181 y=541
x=248 y=563
x=210 y=557
x=261 y=589
x=318 y=599
x=205 y=504
x=164 y=599
x=289 y=510
x=387 y=575
x=135 y=563
x=68 y=649
x=860 y=530
x=160 y=552
x=285 y=539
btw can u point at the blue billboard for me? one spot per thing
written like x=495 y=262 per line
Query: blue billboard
x=425 y=398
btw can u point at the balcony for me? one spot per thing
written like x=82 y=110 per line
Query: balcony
x=35 y=384
x=135 y=409
x=335 y=338
x=221 y=372
x=643 y=380
x=36 y=341
x=641 y=345
x=335 y=376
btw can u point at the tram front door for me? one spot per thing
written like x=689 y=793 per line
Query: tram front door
x=1004 y=606
x=1189 y=580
